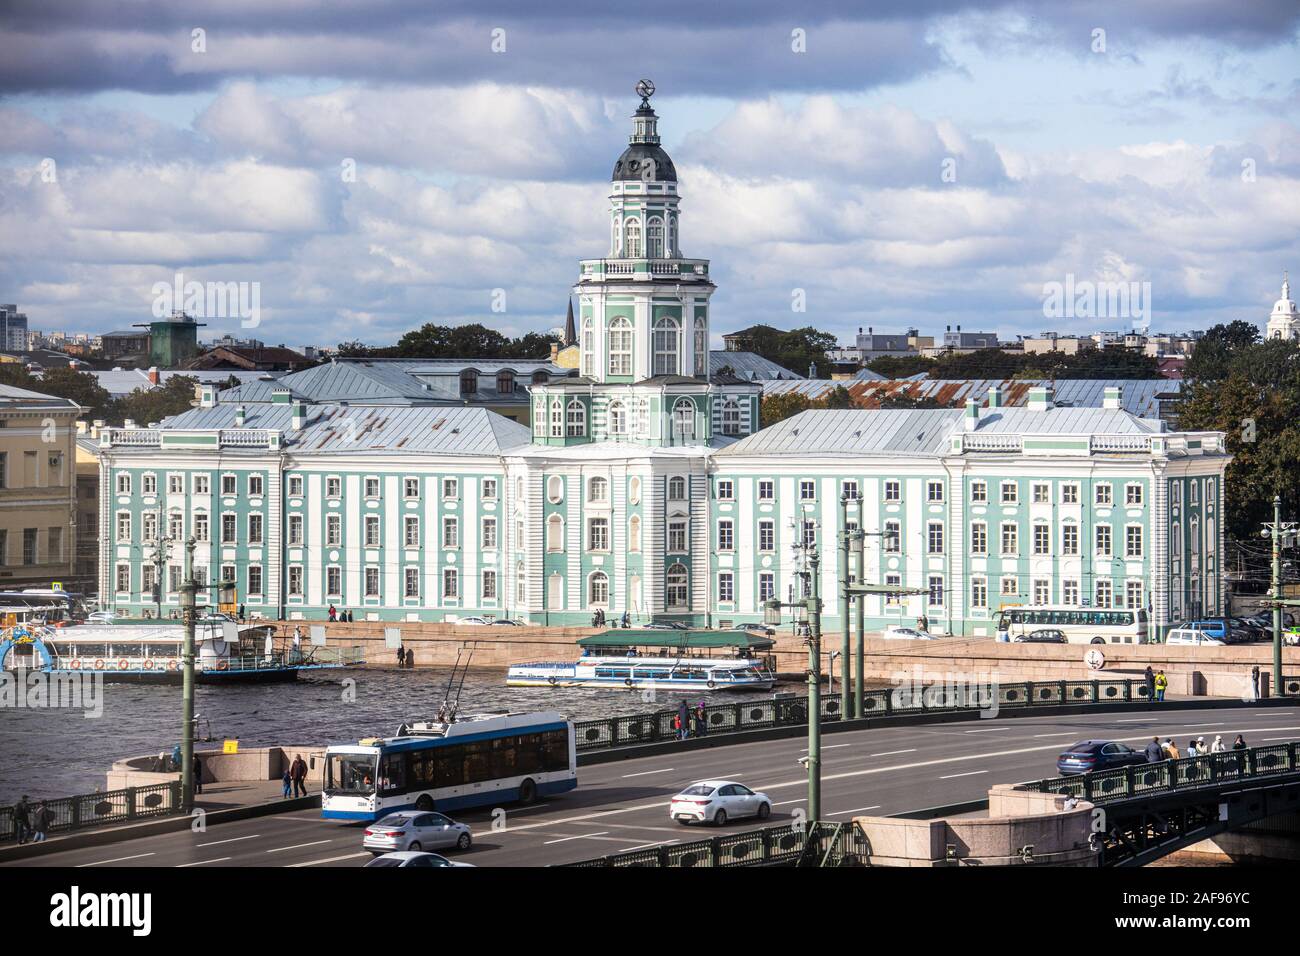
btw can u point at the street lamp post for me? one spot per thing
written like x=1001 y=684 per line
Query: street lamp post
x=188 y=589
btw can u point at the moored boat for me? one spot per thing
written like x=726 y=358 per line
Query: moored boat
x=664 y=659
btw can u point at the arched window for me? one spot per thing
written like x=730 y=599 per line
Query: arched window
x=557 y=419
x=554 y=533
x=620 y=347
x=632 y=230
x=521 y=584
x=541 y=377
x=684 y=420
x=555 y=489
x=588 y=348
x=677 y=489
x=617 y=418
x=642 y=424
x=666 y=346
x=615 y=237
x=678 y=592
x=468 y=382
x=506 y=382
x=577 y=418
x=672 y=237
x=730 y=417
x=634 y=491
x=654 y=234
x=598 y=490
x=634 y=533
x=701 y=348
x=598 y=589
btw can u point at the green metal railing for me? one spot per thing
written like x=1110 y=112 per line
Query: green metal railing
x=1168 y=776
x=820 y=844
x=792 y=711
x=97 y=809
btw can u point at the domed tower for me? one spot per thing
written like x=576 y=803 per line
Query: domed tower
x=1284 y=322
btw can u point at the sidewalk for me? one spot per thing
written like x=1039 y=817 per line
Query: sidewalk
x=238 y=793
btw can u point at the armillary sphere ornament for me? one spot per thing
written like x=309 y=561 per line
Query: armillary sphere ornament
x=645 y=89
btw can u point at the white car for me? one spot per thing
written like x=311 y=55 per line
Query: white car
x=416 y=830
x=717 y=801
x=471 y=620
x=407 y=858
x=1190 y=635
x=896 y=632
x=102 y=617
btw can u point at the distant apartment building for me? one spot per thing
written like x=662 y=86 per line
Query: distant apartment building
x=13 y=329
x=1054 y=342
x=955 y=341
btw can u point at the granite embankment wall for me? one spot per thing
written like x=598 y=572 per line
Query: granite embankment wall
x=1192 y=671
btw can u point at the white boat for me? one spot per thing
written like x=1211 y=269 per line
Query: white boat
x=666 y=660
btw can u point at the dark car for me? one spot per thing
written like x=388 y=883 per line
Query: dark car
x=1046 y=635
x=1089 y=755
x=666 y=626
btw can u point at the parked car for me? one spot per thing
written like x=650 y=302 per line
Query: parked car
x=896 y=632
x=666 y=626
x=103 y=617
x=408 y=858
x=507 y=622
x=1190 y=635
x=472 y=620
x=1044 y=635
x=717 y=801
x=1089 y=755
x=415 y=830
x=755 y=629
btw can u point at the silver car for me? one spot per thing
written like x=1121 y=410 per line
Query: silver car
x=416 y=830
x=717 y=801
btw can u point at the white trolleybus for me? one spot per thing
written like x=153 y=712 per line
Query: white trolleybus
x=1080 y=625
x=472 y=761
x=663 y=659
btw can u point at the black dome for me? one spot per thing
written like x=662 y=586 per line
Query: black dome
x=632 y=165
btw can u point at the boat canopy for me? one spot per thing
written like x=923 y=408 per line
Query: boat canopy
x=689 y=640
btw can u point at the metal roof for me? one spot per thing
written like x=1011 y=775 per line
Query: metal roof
x=749 y=365
x=340 y=429
x=11 y=396
x=1141 y=397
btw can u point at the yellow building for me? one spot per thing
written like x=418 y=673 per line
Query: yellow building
x=38 y=481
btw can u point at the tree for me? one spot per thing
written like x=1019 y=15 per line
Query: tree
x=81 y=387
x=776 y=408
x=144 y=406
x=839 y=397
x=905 y=399
x=472 y=341
x=900 y=366
x=1215 y=350
x=796 y=350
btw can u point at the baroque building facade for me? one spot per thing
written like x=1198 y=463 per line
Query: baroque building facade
x=643 y=483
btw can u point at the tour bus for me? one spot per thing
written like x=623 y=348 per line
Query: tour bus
x=39 y=606
x=1080 y=625
x=471 y=761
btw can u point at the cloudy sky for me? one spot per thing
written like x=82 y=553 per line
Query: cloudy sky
x=925 y=164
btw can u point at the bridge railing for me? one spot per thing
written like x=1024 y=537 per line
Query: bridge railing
x=791 y=844
x=657 y=726
x=1168 y=776
x=97 y=809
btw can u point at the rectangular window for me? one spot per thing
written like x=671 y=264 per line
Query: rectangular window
x=934 y=543
x=450 y=533
x=295 y=580
x=372 y=582
x=1103 y=495
x=149 y=526
x=979 y=538
x=1069 y=539
x=1010 y=492
x=1133 y=541
x=295 y=529
x=809 y=533
x=176 y=526
x=1105 y=594
x=333 y=531
x=766 y=585
x=229 y=484
x=176 y=484
x=597 y=534
x=411 y=488
x=1070 y=592
x=1133 y=596
x=254 y=529
x=334 y=581
x=411 y=583
x=807 y=490
x=149 y=484
x=1133 y=495
x=766 y=536
x=934 y=491
x=228 y=529
x=892 y=580
x=255 y=486
x=1042 y=493
x=489 y=585
x=123 y=484
x=411 y=531
x=1042 y=539
x=124 y=579
x=935 y=597
x=254 y=579
x=726 y=588
x=677 y=537
x=450 y=487
x=1042 y=591
x=979 y=592
x=766 y=490
x=726 y=490
x=1103 y=541
x=1009 y=586
x=123 y=526
x=372 y=531
x=295 y=486
x=979 y=491
x=200 y=484
x=200 y=526
x=333 y=487
x=893 y=491
x=450 y=583
x=726 y=539
x=893 y=538
x=1069 y=494
x=489 y=533
x=1010 y=539
x=489 y=489
x=372 y=487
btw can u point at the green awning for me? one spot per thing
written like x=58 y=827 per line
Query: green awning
x=685 y=640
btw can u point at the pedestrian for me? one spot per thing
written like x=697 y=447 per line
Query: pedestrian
x=1161 y=684
x=1154 y=752
x=677 y=726
x=1217 y=747
x=298 y=771
x=410 y=658
x=1254 y=682
x=401 y=656
x=198 y=774
x=922 y=623
x=287 y=781
x=334 y=613
x=297 y=644
x=1201 y=746
x=627 y=621
x=683 y=720
x=1239 y=743
x=701 y=720
x=1149 y=677
x=1192 y=749
x=240 y=614
x=40 y=822
x=351 y=619
x=21 y=816
x=1171 y=752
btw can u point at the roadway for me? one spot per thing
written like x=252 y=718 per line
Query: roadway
x=623 y=805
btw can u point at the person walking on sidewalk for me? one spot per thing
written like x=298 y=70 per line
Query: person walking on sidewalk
x=1149 y=676
x=287 y=781
x=1154 y=752
x=1161 y=685
x=298 y=771
x=21 y=815
x=40 y=822
x=1254 y=682
x=198 y=774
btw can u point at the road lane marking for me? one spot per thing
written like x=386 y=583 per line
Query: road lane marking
x=580 y=836
x=781 y=803
x=231 y=840
x=330 y=859
x=120 y=859
x=647 y=846
x=298 y=846
x=890 y=753
x=970 y=773
x=1133 y=720
x=646 y=773
x=985 y=730
x=1067 y=733
x=827 y=747
x=840 y=813
x=220 y=859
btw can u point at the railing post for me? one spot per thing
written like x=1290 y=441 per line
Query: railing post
x=715 y=851
x=1128 y=690
x=1095 y=692
x=130 y=803
x=1061 y=695
x=175 y=787
x=735 y=715
x=1130 y=781
x=889 y=703
x=75 y=815
x=1029 y=692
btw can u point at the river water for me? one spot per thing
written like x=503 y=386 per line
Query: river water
x=57 y=753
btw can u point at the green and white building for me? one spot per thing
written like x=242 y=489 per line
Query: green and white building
x=643 y=483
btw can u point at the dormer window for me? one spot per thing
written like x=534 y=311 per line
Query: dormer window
x=541 y=377
x=469 y=382
x=506 y=383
